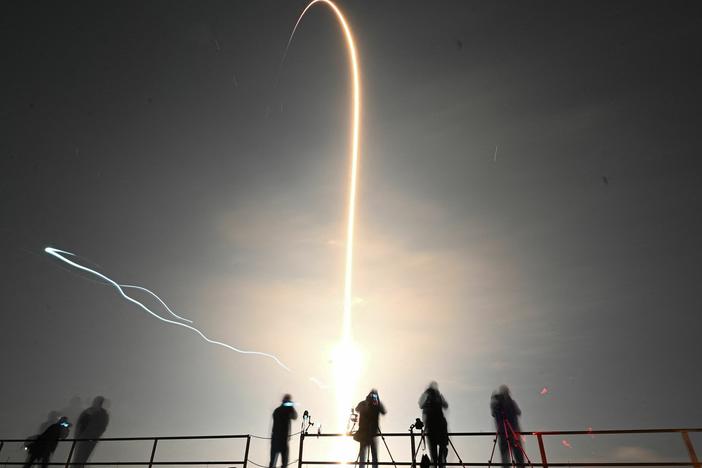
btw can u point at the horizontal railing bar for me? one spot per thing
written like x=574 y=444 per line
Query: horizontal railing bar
x=128 y=439
x=615 y=431
x=497 y=464
x=543 y=433
x=399 y=463
x=353 y=462
x=389 y=434
x=205 y=462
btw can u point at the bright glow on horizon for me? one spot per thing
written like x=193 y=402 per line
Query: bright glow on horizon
x=347 y=367
x=346 y=356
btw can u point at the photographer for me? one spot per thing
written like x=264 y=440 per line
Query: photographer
x=44 y=445
x=433 y=404
x=369 y=411
x=506 y=413
x=281 y=430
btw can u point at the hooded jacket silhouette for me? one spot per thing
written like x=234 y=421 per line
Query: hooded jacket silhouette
x=45 y=444
x=369 y=411
x=91 y=424
x=433 y=404
x=282 y=416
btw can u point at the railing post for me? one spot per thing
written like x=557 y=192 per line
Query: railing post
x=414 y=461
x=70 y=454
x=690 y=449
x=153 y=453
x=299 y=454
x=542 y=450
x=246 y=452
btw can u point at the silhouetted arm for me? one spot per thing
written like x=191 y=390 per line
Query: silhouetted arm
x=293 y=413
x=422 y=400
x=381 y=408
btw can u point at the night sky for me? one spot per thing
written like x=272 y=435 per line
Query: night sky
x=529 y=211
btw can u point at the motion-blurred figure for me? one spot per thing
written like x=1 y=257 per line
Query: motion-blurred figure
x=281 y=430
x=44 y=445
x=433 y=404
x=51 y=418
x=506 y=414
x=91 y=425
x=369 y=411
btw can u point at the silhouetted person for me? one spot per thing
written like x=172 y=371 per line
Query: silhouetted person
x=506 y=414
x=369 y=411
x=91 y=425
x=51 y=418
x=44 y=445
x=281 y=430
x=432 y=403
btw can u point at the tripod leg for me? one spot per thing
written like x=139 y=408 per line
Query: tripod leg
x=518 y=445
x=492 y=454
x=509 y=444
x=459 y=457
x=421 y=441
x=387 y=448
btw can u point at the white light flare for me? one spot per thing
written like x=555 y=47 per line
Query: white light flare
x=62 y=255
x=346 y=356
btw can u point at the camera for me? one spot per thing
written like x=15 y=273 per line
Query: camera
x=418 y=424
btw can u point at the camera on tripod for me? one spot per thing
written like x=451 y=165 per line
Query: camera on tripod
x=351 y=424
x=306 y=422
x=418 y=424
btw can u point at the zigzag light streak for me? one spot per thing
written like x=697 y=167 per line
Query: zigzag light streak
x=153 y=294
x=60 y=254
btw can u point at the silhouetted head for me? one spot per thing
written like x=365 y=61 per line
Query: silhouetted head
x=373 y=396
x=287 y=401
x=98 y=401
x=433 y=386
x=503 y=390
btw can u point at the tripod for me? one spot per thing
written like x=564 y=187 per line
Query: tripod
x=512 y=440
x=436 y=463
x=306 y=420
x=353 y=419
x=386 y=447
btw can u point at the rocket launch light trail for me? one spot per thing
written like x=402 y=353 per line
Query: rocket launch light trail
x=61 y=255
x=355 y=138
x=346 y=356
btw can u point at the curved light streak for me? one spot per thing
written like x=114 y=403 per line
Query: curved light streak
x=355 y=138
x=346 y=356
x=61 y=255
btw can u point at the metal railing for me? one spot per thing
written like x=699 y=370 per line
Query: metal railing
x=154 y=446
x=545 y=463
x=412 y=450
